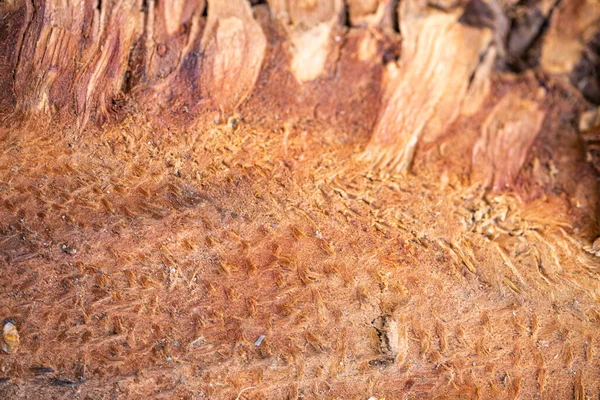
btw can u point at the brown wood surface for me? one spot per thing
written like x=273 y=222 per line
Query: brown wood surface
x=231 y=199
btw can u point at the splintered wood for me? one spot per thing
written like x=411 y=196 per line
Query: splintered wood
x=57 y=61
x=340 y=199
x=425 y=92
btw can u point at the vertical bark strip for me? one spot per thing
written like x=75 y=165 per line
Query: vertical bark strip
x=310 y=25
x=171 y=29
x=506 y=136
x=234 y=46
x=425 y=91
x=74 y=54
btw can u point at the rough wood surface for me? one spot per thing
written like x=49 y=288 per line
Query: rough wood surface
x=171 y=29
x=506 y=136
x=204 y=201
x=73 y=54
x=439 y=55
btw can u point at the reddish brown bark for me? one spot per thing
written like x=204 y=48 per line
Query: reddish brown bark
x=316 y=199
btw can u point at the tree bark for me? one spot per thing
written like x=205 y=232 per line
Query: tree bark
x=285 y=199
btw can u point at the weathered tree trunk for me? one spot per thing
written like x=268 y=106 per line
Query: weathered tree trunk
x=316 y=198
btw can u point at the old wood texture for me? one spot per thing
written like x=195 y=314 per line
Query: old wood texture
x=335 y=199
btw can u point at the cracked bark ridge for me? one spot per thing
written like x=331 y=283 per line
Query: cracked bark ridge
x=74 y=52
x=12 y=25
x=233 y=45
x=425 y=91
x=375 y=20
